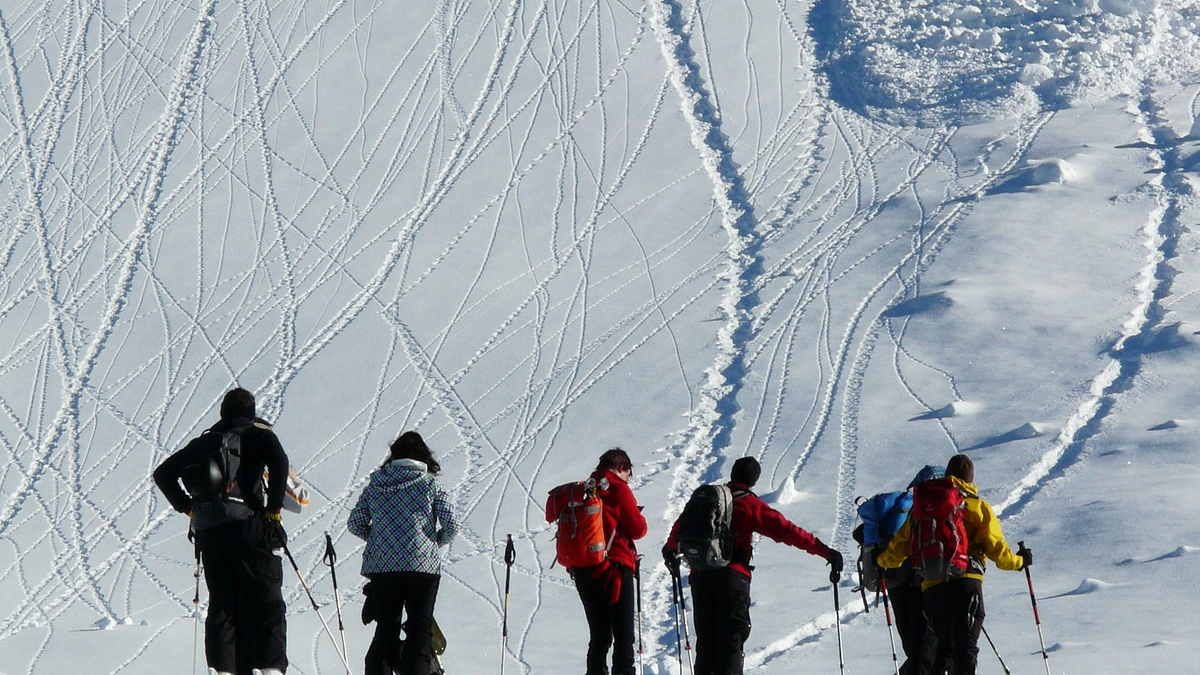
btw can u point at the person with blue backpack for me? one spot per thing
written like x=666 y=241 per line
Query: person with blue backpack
x=949 y=535
x=883 y=515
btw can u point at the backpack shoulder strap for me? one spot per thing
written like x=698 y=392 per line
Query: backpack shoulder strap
x=739 y=492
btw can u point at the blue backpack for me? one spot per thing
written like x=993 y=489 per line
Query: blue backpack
x=882 y=515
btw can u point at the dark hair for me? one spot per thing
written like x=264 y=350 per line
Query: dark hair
x=410 y=445
x=237 y=403
x=615 y=459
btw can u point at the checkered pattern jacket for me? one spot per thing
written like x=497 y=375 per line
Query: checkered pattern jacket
x=404 y=515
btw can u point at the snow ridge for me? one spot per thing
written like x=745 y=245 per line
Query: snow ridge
x=712 y=421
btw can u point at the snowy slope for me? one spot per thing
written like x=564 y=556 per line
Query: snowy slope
x=848 y=238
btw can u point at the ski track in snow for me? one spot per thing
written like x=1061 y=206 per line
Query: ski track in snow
x=167 y=241
x=1161 y=234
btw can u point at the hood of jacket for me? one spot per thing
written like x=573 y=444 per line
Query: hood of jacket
x=968 y=488
x=398 y=474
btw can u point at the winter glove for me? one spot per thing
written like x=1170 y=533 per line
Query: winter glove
x=1026 y=556
x=836 y=563
x=609 y=576
x=273 y=532
x=671 y=560
x=368 y=610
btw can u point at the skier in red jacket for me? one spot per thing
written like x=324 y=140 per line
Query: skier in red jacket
x=607 y=589
x=721 y=598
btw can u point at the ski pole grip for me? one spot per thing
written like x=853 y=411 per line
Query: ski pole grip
x=510 y=556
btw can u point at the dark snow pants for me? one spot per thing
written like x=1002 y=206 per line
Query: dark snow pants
x=609 y=624
x=394 y=594
x=916 y=635
x=721 y=610
x=955 y=611
x=246 y=627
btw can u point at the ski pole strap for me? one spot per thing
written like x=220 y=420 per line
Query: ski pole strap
x=330 y=554
x=331 y=559
x=510 y=556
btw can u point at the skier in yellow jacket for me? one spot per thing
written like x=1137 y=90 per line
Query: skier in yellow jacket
x=955 y=607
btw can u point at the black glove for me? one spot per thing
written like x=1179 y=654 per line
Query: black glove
x=368 y=610
x=1026 y=556
x=671 y=559
x=273 y=532
x=836 y=563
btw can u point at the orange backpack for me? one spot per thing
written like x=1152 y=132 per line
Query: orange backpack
x=577 y=509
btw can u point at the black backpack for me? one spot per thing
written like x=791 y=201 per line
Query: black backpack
x=705 y=531
x=210 y=478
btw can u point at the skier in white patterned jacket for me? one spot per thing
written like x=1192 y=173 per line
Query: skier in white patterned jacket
x=405 y=515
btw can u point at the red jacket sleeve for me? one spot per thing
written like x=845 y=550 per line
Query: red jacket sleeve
x=761 y=518
x=673 y=537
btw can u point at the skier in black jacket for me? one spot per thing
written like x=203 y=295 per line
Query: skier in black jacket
x=217 y=480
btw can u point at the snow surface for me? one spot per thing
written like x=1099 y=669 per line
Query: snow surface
x=846 y=237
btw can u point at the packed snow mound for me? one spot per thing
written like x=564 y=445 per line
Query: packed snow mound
x=1090 y=586
x=954 y=409
x=926 y=62
x=785 y=494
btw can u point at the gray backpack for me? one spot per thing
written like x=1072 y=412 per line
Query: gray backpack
x=705 y=527
x=210 y=477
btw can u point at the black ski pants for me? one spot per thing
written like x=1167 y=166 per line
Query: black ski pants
x=246 y=627
x=721 y=606
x=609 y=624
x=393 y=594
x=955 y=611
x=916 y=635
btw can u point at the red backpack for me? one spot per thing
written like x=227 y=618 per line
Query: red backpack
x=939 y=537
x=577 y=509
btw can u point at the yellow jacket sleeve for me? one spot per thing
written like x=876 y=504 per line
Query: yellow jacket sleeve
x=987 y=541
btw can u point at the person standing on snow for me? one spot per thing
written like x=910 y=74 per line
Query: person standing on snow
x=954 y=607
x=721 y=597
x=916 y=636
x=404 y=515
x=237 y=527
x=607 y=590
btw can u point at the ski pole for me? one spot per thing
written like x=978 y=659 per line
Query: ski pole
x=887 y=612
x=637 y=577
x=1036 y=618
x=675 y=608
x=331 y=560
x=834 y=577
x=195 y=602
x=687 y=638
x=510 y=556
x=996 y=652
x=315 y=607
